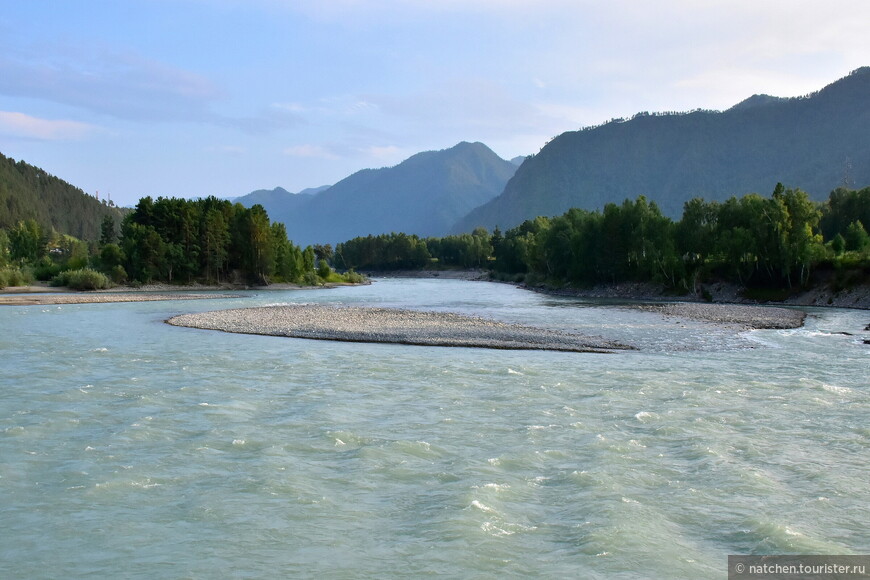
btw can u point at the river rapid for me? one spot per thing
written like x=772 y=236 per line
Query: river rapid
x=133 y=449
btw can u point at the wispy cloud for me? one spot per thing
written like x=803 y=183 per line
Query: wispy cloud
x=118 y=84
x=310 y=151
x=16 y=124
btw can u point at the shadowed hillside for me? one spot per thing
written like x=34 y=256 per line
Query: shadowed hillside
x=424 y=195
x=817 y=143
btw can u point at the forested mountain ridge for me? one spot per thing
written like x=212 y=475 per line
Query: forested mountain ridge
x=819 y=142
x=425 y=195
x=30 y=193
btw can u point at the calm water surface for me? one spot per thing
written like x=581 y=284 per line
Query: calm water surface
x=132 y=449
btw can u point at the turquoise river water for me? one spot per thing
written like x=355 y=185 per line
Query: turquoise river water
x=133 y=449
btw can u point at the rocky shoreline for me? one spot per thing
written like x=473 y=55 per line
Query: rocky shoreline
x=857 y=297
x=397 y=326
x=735 y=315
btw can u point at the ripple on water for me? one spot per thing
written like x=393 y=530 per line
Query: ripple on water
x=255 y=454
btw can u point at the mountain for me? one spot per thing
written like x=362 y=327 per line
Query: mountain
x=278 y=196
x=424 y=195
x=28 y=192
x=815 y=143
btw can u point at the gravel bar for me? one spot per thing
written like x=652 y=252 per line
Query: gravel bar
x=389 y=325
x=745 y=317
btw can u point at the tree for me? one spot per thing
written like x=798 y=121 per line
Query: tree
x=4 y=248
x=323 y=252
x=26 y=243
x=107 y=230
x=215 y=242
x=856 y=237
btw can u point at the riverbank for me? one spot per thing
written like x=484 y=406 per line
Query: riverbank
x=43 y=294
x=718 y=293
x=40 y=298
x=388 y=325
x=823 y=294
x=743 y=317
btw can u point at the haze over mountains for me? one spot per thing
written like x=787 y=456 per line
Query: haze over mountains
x=815 y=143
x=425 y=194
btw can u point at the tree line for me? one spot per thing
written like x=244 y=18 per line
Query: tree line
x=169 y=240
x=755 y=241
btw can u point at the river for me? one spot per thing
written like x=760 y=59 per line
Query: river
x=133 y=449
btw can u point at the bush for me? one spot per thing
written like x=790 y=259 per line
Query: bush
x=310 y=279
x=352 y=277
x=14 y=277
x=82 y=279
x=118 y=274
x=45 y=269
x=323 y=270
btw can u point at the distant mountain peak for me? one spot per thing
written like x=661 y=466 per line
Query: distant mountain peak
x=425 y=195
x=756 y=101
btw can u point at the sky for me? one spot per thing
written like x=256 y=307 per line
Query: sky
x=189 y=98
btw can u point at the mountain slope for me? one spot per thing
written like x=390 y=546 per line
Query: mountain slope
x=816 y=143
x=424 y=195
x=28 y=192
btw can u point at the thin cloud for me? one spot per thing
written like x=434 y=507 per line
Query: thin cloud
x=310 y=151
x=14 y=124
x=118 y=84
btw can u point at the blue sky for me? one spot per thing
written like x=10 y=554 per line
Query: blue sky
x=221 y=97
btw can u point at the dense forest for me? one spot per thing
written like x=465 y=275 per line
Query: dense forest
x=30 y=193
x=167 y=240
x=758 y=242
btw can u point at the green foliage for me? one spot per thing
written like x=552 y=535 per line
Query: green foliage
x=107 y=230
x=4 y=249
x=323 y=270
x=856 y=237
x=771 y=243
x=26 y=242
x=82 y=279
x=177 y=240
x=118 y=274
x=351 y=277
x=10 y=276
x=45 y=269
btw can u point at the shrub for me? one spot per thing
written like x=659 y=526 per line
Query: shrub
x=45 y=269
x=323 y=270
x=118 y=274
x=310 y=279
x=14 y=277
x=81 y=279
x=353 y=277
